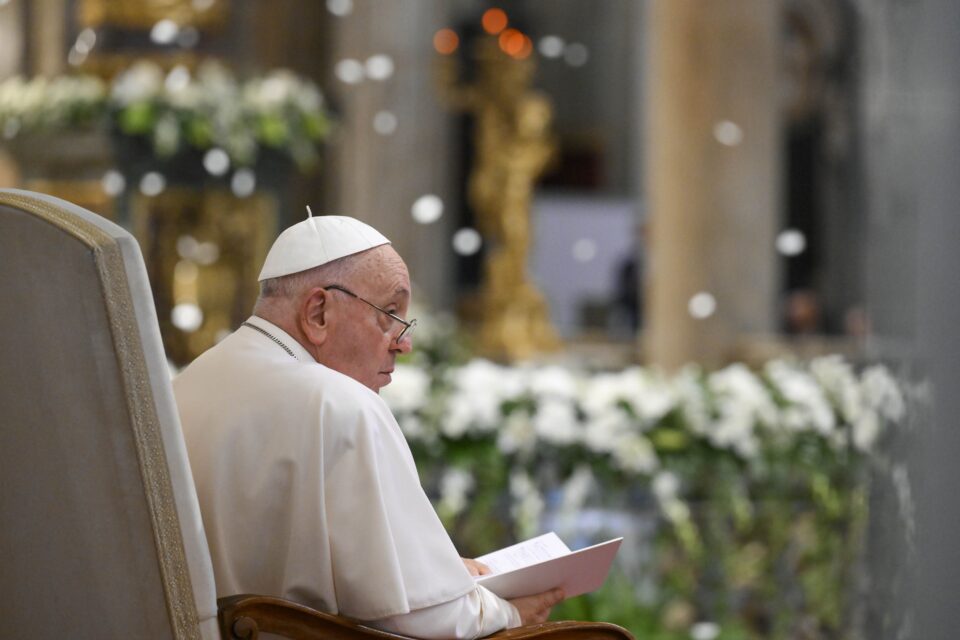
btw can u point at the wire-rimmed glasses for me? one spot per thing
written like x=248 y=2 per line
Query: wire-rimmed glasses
x=408 y=326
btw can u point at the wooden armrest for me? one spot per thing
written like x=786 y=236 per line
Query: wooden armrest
x=565 y=630
x=244 y=617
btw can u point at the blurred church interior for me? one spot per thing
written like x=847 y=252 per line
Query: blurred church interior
x=776 y=196
x=608 y=183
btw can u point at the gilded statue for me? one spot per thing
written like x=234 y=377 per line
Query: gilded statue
x=512 y=146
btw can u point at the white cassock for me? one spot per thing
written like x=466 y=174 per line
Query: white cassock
x=308 y=491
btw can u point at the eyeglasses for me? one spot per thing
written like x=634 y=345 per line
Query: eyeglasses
x=408 y=327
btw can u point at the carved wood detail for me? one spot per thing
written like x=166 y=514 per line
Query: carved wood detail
x=244 y=617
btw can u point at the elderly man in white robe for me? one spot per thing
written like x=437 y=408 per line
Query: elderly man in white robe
x=307 y=487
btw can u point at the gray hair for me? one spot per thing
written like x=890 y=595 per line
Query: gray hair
x=279 y=296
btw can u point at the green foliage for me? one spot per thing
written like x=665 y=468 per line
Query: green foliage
x=137 y=119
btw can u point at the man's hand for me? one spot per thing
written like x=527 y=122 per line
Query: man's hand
x=476 y=568
x=536 y=608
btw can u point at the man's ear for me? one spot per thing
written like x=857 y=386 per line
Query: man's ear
x=313 y=319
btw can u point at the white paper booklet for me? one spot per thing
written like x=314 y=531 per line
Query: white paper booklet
x=545 y=562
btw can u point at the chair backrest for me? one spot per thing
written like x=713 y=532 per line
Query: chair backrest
x=100 y=530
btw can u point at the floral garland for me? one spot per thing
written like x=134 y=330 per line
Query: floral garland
x=627 y=417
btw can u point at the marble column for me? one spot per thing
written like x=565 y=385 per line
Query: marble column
x=11 y=38
x=11 y=60
x=47 y=41
x=712 y=170
x=910 y=122
x=377 y=176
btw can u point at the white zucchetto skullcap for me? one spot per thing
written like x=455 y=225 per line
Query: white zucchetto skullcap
x=316 y=241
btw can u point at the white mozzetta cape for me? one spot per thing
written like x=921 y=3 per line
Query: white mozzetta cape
x=307 y=487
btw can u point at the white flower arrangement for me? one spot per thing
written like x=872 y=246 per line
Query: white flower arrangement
x=178 y=110
x=754 y=477
x=41 y=104
x=212 y=108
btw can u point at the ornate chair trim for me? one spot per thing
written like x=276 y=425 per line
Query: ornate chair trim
x=125 y=335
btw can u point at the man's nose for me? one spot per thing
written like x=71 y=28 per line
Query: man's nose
x=404 y=345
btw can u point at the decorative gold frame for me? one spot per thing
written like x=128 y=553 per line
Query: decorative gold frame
x=143 y=14
x=225 y=290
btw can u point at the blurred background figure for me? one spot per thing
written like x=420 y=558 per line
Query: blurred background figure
x=802 y=312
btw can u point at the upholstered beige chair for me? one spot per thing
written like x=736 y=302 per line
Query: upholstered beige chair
x=101 y=535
